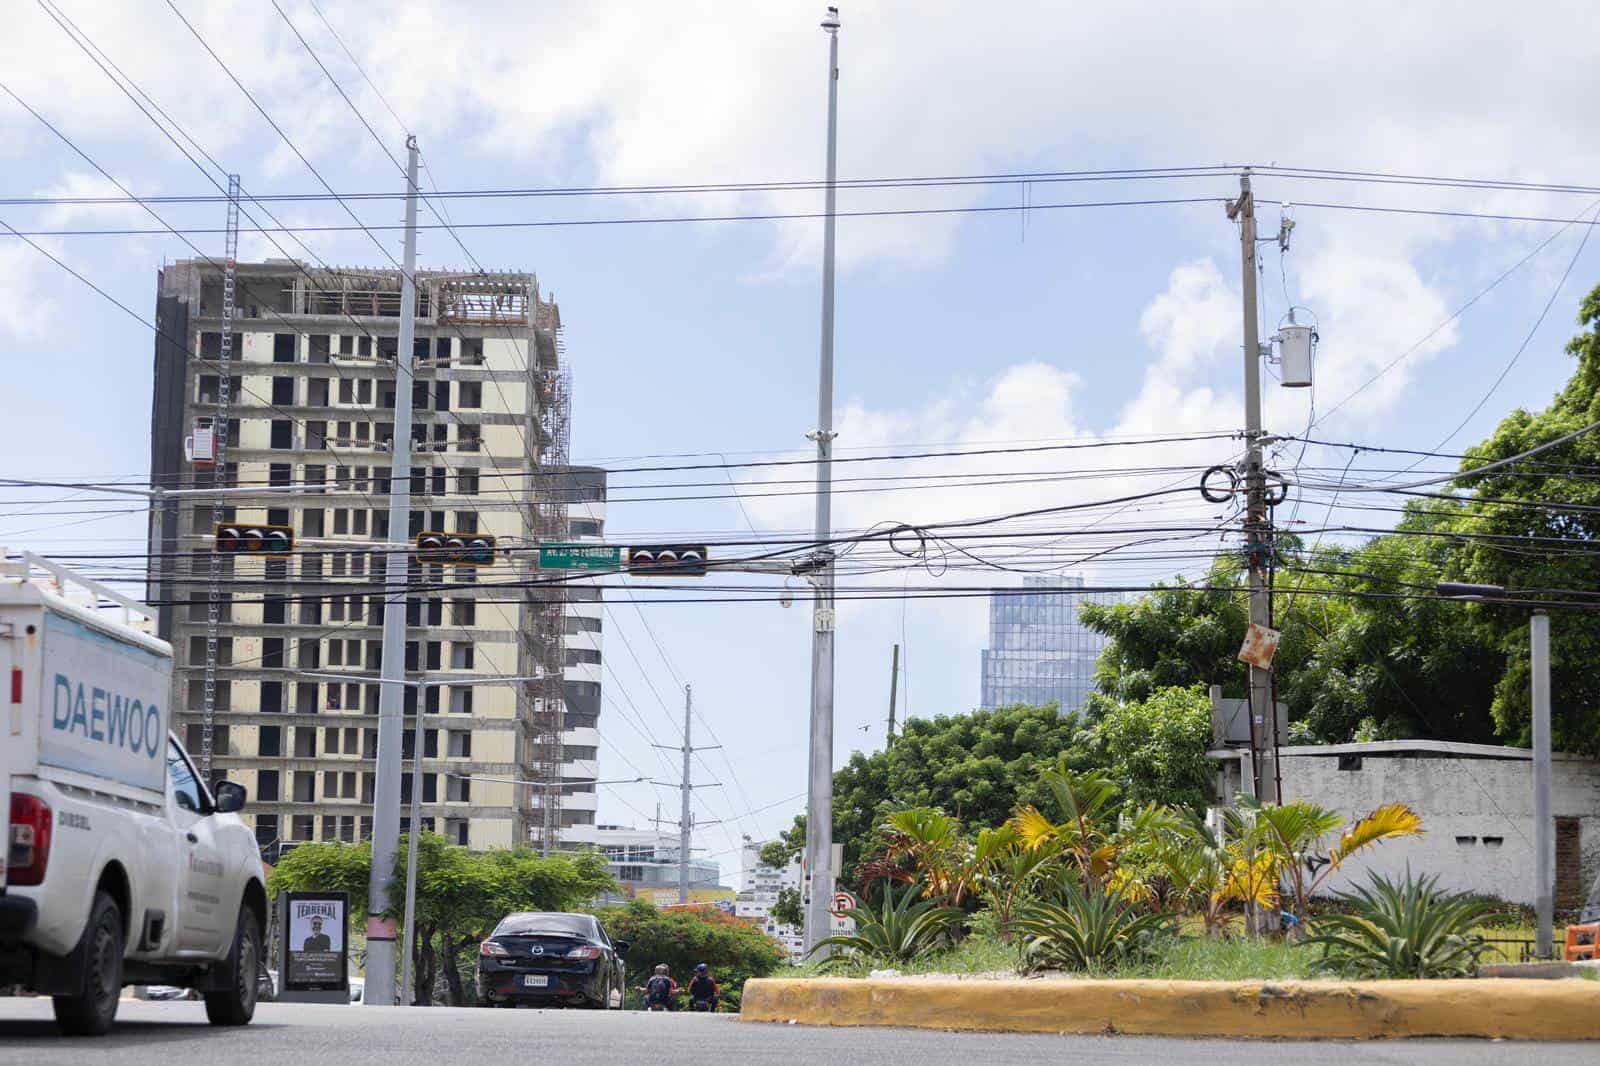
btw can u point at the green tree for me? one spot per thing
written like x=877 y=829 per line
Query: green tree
x=787 y=910
x=685 y=937
x=1155 y=748
x=977 y=767
x=461 y=895
x=1555 y=498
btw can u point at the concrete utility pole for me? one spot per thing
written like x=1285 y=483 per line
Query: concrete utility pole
x=1258 y=541
x=380 y=991
x=819 y=805
x=894 y=684
x=684 y=824
x=418 y=750
x=1544 y=849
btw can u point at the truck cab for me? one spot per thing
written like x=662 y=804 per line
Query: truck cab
x=121 y=866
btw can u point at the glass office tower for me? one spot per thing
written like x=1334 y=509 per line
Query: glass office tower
x=1039 y=650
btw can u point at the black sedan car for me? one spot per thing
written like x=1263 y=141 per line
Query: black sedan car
x=550 y=960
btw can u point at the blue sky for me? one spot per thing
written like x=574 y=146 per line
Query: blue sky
x=701 y=337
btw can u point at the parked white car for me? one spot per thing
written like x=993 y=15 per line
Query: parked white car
x=122 y=867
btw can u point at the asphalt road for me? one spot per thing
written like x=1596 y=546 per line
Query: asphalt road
x=175 y=1034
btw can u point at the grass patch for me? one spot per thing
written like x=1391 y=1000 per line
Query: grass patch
x=1181 y=959
x=1243 y=959
x=1187 y=957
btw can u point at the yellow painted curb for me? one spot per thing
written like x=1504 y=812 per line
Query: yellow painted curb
x=1292 y=1010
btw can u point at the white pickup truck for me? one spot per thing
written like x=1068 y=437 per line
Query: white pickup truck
x=121 y=866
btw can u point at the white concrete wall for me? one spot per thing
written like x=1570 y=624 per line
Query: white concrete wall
x=1465 y=804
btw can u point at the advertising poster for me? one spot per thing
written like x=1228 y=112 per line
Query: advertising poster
x=316 y=941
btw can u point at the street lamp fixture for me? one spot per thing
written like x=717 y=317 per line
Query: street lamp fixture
x=1462 y=590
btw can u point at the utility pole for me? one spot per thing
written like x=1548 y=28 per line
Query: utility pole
x=819 y=804
x=380 y=990
x=1544 y=852
x=894 y=684
x=1258 y=538
x=687 y=786
x=685 y=826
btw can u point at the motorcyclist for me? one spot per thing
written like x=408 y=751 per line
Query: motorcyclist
x=703 y=990
x=661 y=991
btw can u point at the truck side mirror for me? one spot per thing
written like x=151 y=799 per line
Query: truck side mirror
x=231 y=797
x=620 y=947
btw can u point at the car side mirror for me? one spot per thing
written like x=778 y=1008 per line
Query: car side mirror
x=231 y=797
x=620 y=947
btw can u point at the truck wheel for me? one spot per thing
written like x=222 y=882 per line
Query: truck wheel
x=237 y=1004
x=91 y=1013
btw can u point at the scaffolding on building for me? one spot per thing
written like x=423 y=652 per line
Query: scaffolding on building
x=545 y=699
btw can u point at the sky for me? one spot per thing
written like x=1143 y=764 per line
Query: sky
x=970 y=330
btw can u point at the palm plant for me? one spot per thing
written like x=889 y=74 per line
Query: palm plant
x=1402 y=929
x=1008 y=870
x=1293 y=833
x=1209 y=872
x=1087 y=927
x=905 y=926
x=1084 y=833
x=931 y=843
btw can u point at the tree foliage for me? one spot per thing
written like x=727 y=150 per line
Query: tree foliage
x=976 y=767
x=1368 y=652
x=1155 y=748
x=461 y=895
x=685 y=937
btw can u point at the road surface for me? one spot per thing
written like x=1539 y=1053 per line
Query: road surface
x=175 y=1034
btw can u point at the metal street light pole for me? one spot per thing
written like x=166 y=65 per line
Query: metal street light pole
x=1544 y=849
x=1544 y=854
x=819 y=805
x=380 y=990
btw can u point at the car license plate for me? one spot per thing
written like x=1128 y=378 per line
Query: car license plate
x=535 y=980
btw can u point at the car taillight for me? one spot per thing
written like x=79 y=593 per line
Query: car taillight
x=490 y=947
x=584 y=951
x=29 y=852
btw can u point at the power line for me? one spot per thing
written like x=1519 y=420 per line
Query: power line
x=523 y=224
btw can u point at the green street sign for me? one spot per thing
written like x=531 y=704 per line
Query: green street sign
x=579 y=557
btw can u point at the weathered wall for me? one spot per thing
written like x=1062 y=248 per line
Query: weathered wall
x=1478 y=813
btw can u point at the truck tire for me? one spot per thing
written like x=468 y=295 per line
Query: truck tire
x=92 y=1011
x=237 y=1004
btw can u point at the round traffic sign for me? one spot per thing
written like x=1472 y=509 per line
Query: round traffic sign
x=842 y=901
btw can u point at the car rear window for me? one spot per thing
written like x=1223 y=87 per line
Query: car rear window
x=560 y=924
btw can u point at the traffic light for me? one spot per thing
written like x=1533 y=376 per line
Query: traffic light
x=668 y=560
x=461 y=549
x=234 y=538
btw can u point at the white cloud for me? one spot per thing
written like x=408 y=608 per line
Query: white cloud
x=26 y=306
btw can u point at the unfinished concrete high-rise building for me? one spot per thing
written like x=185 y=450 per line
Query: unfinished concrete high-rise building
x=309 y=421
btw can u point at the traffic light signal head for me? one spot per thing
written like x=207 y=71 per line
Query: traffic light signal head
x=460 y=549
x=238 y=538
x=668 y=560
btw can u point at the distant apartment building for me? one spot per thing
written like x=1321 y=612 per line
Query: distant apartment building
x=645 y=863
x=310 y=411
x=1039 y=650
x=759 y=885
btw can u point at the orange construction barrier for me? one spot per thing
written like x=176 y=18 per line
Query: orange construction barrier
x=1581 y=940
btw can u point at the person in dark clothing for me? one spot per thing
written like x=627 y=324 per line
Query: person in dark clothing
x=703 y=990
x=660 y=992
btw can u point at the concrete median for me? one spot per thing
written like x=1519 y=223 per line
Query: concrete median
x=1291 y=1010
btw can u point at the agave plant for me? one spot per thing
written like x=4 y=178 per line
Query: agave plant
x=905 y=926
x=1087 y=927
x=1402 y=929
